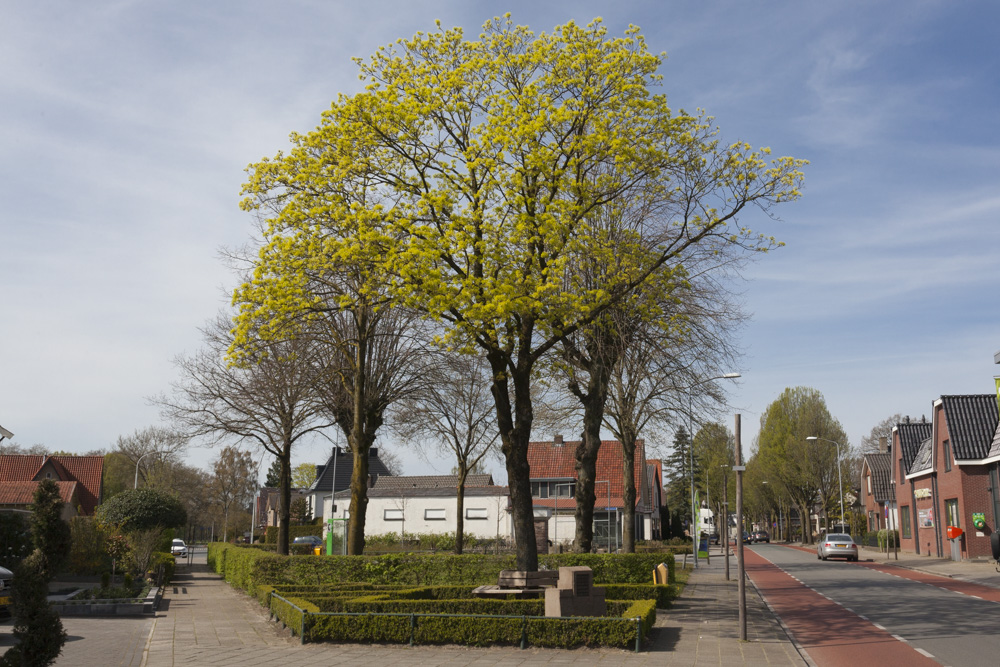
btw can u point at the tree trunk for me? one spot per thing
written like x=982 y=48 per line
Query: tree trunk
x=359 y=500
x=463 y=471
x=628 y=495
x=284 y=499
x=359 y=441
x=514 y=424
x=586 y=459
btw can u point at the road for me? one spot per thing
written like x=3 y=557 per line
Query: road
x=861 y=613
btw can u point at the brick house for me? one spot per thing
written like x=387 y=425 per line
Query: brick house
x=79 y=478
x=553 y=491
x=876 y=489
x=952 y=476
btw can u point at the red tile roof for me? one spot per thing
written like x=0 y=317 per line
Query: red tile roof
x=22 y=493
x=87 y=470
x=551 y=461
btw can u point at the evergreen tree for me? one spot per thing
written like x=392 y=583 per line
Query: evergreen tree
x=49 y=533
x=677 y=470
x=274 y=475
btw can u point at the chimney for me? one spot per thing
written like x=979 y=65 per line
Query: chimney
x=882 y=445
x=372 y=452
x=558 y=441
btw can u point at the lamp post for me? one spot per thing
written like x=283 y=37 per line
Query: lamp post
x=725 y=516
x=694 y=510
x=135 y=484
x=840 y=479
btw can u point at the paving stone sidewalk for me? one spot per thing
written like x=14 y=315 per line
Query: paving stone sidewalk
x=206 y=622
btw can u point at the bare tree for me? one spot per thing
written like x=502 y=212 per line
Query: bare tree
x=152 y=453
x=663 y=358
x=234 y=482
x=454 y=409
x=268 y=399
x=370 y=354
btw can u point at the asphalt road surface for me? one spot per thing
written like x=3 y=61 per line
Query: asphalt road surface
x=862 y=613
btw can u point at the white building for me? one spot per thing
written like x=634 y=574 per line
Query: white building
x=428 y=504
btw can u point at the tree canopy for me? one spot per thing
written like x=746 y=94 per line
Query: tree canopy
x=142 y=509
x=468 y=180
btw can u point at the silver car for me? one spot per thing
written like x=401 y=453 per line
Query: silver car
x=837 y=545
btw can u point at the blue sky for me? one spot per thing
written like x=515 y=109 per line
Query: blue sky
x=125 y=128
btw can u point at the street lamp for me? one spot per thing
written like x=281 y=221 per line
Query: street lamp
x=725 y=516
x=135 y=484
x=840 y=479
x=694 y=510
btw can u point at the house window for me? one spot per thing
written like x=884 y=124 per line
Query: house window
x=902 y=472
x=904 y=521
x=434 y=515
x=475 y=513
x=947 y=459
x=392 y=515
x=951 y=512
x=868 y=478
x=547 y=489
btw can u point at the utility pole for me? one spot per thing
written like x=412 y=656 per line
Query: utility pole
x=740 y=567
x=724 y=533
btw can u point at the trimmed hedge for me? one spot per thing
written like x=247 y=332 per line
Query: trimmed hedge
x=249 y=568
x=481 y=631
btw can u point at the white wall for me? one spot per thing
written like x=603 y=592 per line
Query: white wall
x=496 y=524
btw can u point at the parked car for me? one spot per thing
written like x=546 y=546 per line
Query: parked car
x=6 y=581
x=761 y=536
x=837 y=545
x=311 y=540
x=178 y=548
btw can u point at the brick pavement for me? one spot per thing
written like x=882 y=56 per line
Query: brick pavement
x=205 y=622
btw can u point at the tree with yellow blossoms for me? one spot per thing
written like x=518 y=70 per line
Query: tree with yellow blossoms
x=465 y=182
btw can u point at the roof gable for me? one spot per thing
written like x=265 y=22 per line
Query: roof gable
x=910 y=437
x=341 y=461
x=880 y=465
x=549 y=460
x=972 y=422
x=88 y=471
x=923 y=460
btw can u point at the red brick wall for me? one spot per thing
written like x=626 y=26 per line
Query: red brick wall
x=902 y=488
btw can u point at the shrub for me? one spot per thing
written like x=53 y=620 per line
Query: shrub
x=142 y=509
x=39 y=632
x=163 y=562
x=87 y=554
x=15 y=539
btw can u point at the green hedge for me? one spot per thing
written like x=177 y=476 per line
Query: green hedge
x=169 y=563
x=249 y=568
x=400 y=615
x=481 y=631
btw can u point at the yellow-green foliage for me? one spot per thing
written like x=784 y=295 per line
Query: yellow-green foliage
x=470 y=176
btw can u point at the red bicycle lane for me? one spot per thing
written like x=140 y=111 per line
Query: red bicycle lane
x=831 y=635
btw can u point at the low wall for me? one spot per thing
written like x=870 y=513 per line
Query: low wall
x=136 y=607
